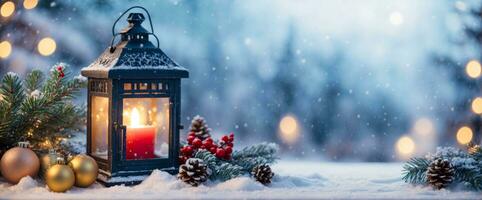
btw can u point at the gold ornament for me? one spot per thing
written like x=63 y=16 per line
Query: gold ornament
x=47 y=161
x=60 y=177
x=19 y=162
x=85 y=170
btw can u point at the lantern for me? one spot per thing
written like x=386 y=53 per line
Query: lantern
x=133 y=113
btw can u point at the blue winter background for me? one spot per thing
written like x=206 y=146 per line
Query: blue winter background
x=332 y=80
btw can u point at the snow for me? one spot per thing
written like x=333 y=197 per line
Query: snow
x=293 y=180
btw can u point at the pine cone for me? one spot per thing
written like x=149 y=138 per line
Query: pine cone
x=440 y=173
x=200 y=128
x=193 y=172
x=473 y=148
x=262 y=173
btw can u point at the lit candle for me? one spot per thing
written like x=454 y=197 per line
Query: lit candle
x=140 y=138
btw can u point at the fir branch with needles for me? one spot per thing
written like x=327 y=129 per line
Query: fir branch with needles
x=467 y=167
x=39 y=109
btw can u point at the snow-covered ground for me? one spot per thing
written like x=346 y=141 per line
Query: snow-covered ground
x=293 y=180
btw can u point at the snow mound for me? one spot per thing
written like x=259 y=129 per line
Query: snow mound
x=240 y=184
x=297 y=181
x=160 y=181
x=24 y=184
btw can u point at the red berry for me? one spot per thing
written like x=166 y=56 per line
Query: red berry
x=228 y=150
x=207 y=145
x=231 y=139
x=212 y=150
x=59 y=68
x=61 y=75
x=231 y=135
x=192 y=134
x=190 y=139
x=209 y=140
x=197 y=143
x=220 y=153
x=225 y=138
x=215 y=146
x=230 y=145
x=188 y=150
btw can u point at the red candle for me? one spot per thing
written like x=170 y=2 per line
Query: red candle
x=139 y=138
x=140 y=142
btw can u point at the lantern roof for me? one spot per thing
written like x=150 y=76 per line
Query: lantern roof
x=134 y=56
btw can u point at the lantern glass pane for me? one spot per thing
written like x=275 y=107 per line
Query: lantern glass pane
x=148 y=127
x=100 y=126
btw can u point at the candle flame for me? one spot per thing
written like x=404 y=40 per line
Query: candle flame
x=135 y=117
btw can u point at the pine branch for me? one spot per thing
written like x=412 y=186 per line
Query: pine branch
x=227 y=171
x=46 y=113
x=220 y=170
x=33 y=81
x=414 y=171
x=249 y=157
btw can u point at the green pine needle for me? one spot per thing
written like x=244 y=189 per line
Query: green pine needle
x=414 y=171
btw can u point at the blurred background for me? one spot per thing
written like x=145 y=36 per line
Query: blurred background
x=334 y=80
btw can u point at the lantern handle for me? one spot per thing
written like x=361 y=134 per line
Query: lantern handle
x=114 y=34
x=140 y=7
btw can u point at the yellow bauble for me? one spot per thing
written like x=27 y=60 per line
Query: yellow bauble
x=19 y=162
x=47 y=161
x=85 y=170
x=60 y=178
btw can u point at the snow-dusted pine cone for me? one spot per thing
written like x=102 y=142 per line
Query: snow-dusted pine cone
x=200 y=128
x=263 y=174
x=473 y=148
x=440 y=173
x=193 y=172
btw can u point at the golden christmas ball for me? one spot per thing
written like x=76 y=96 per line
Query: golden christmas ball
x=48 y=160
x=60 y=178
x=19 y=162
x=85 y=170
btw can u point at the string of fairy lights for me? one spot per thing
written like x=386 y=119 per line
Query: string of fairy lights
x=45 y=46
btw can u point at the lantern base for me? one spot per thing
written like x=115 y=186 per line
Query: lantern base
x=128 y=177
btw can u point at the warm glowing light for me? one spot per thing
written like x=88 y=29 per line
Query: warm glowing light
x=135 y=118
x=7 y=9
x=5 y=49
x=396 y=18
x=464 y=135
x=29 y=4
x=289 y=129
x=405 y=146
x=46 y=46
x=477 y=105
x=473 y=69
x=423 y=126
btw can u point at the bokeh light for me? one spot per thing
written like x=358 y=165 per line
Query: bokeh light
x=477 y=105
x=46 y=46
x=7 y=9
x=5 y=49
x=473 y=69
x=30 y=4
x=396 y=18
x=423 y=126
x=289 y=129
x=464 y=135
x=405 y=146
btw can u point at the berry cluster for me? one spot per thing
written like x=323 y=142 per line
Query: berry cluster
x=60 y=69
x=222 y=149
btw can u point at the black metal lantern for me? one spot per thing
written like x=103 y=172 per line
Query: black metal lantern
x=134 y=98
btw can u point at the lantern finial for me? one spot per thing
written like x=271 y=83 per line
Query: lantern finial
x=135 y=18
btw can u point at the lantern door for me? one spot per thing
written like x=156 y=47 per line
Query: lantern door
x=147 y=125
x=99 y=115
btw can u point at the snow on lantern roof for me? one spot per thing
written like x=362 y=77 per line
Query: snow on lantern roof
x=134 y=56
